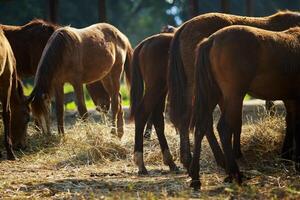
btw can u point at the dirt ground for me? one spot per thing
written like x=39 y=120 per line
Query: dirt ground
x=90 y=163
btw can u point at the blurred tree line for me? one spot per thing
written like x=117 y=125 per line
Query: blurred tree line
x=136 y=18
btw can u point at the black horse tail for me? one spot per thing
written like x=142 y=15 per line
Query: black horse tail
x=136 y=82
x=176 y=80
x=206 y=90
x=127 y=65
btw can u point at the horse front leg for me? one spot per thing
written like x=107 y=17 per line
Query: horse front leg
x=59 y=107
x=120 y=118
x=6 y=114
x=78 y=88
x=297 y=136
x=288 y=144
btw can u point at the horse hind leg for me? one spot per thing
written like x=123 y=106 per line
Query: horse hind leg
x=78 y=88
x=158 y=121
x=229 y=121
x=148 y=131
x=140 y=119
x=236 y=136
x=112 y=86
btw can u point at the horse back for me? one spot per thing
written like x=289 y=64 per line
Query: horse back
x=154 y=59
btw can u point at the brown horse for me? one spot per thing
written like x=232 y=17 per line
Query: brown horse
x=28 y=42
x=239 y=60
x=181 y=64
x=12 y=99
x=77 y=56
x=148 y=94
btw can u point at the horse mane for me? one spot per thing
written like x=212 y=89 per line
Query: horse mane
x=51 y=60
x=283 y=13
x=39 y=25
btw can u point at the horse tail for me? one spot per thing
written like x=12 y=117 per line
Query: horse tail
x=176 y=80
x=206 y=89
x=127 y=65
x=137 y=82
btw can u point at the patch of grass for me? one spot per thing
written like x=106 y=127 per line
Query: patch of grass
x=89 y=103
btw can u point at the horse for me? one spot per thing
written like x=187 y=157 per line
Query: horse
x=237 y=60
x=28 y=42
x=181 y=64
x=148 y=93
x=15 y=113
x=164 y=29
x=77 y=56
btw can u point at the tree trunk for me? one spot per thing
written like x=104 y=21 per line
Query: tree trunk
x=193 y=8
x=225 y=6
x=102 y=10
x=53 y=10
x=249 y=7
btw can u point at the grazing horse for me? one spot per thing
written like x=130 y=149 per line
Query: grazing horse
x=77 y=56
x=239 y=60
x=28 y=42
x=15 y=112
x=181 y=64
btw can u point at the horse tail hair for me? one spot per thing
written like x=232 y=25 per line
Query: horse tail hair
x=205 y=88
x=127 y=65
x=176 y=80
x=137 y=82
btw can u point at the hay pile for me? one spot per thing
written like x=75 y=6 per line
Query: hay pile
x=88 y=162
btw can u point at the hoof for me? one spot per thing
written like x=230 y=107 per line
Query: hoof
x=287 y=155
x=237 y=177
x=238 y=155
x=186 y=162
x=11 y=156
x=195 y=184
x=143 y=172
x=174 y=168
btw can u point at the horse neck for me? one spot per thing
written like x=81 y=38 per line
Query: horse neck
x=43 y=82
x=9 y=29
x=53 y=60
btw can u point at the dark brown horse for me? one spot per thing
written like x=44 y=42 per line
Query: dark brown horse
x=28 y=42
x=239 y=60
x=181 y=70
x=12 y=99
x=77 y=56
x=148 y=93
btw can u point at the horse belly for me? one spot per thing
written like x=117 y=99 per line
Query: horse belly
x=97 y=65
x=275 y=87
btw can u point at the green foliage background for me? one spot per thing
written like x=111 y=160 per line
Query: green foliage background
x=136 y=18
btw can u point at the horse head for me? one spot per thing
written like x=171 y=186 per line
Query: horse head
x=40 y=107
